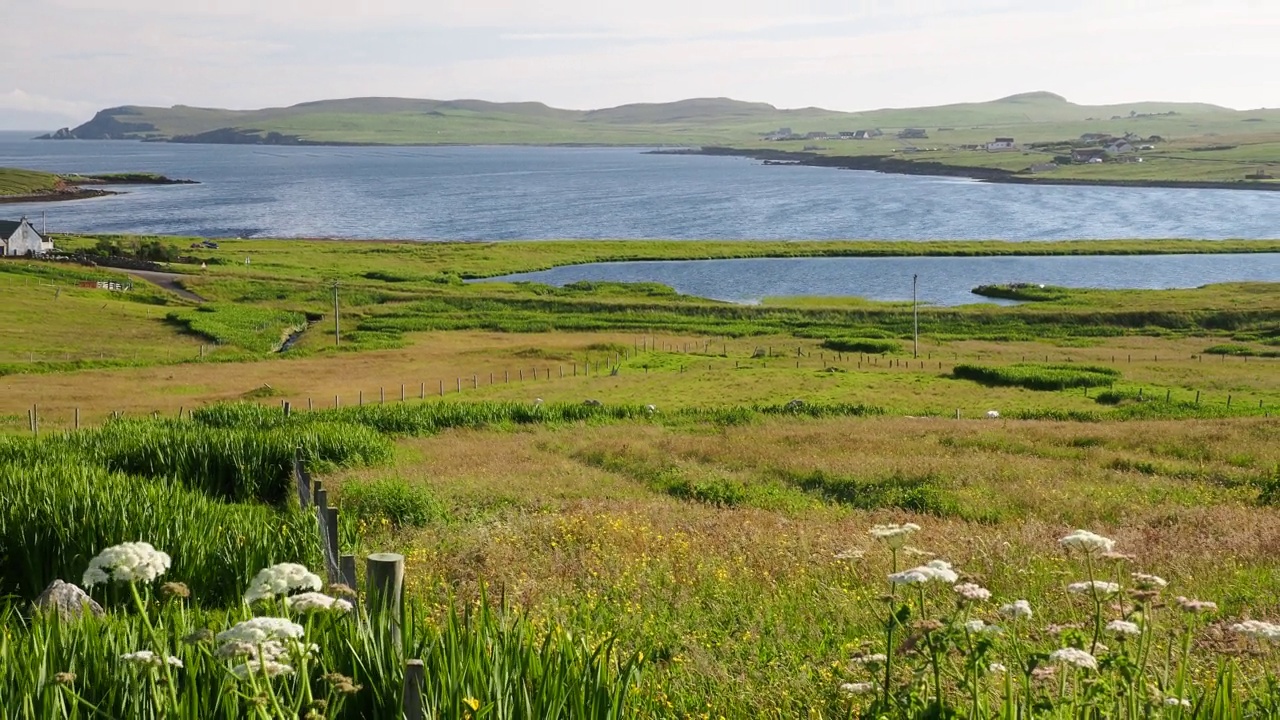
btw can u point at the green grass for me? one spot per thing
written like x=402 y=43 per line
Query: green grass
x=256 y=330
x=14 y=181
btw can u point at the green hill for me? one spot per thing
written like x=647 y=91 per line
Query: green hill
x=397 y=121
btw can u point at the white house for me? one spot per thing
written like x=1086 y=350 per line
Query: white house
x=20 y=238
x=1001 y=143
x=1119 y=147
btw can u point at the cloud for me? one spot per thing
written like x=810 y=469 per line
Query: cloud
x=19 y=99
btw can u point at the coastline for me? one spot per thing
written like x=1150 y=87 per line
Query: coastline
x=896 y=166
x=83 y=187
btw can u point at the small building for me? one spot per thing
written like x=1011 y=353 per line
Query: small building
x=1119 y=147
x=913 y=134
x=1001 y=143
x=1092 y=138
x=816 y=135
x=20 y=238
x=1088 y=155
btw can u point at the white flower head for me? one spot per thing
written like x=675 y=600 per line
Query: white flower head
x=975 y=626
x=972 y=592
x=997 y=668
x=270 y=668
x=1258 y=630
x=850 y=554
x=1101 y=587
x=280 y=580
x=894 y=535
x=873 y=659
x=1124 y=628
x=310 y=602
x=148 y=659
x=1177 y=702
x=934 y=570
x=1149 y=582
x=993 y=414
x=861 y=688
x=1087 y=542
x=942 y=571
x=1074 y=656
x=127 y=562
x=1017 y=610
x=259 y=630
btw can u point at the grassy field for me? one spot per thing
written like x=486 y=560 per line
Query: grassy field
x=694 y=546
x=26 y=182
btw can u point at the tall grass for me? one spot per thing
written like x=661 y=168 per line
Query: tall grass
x=255 y=329
x=1035 y=376
x=58 y=512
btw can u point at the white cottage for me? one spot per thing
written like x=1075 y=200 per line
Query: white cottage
x=20 y=238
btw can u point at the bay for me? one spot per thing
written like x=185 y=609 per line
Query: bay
x=500 y=193
x=942 y=280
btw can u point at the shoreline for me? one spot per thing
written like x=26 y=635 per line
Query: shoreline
x=896 y=166
x=83 y=187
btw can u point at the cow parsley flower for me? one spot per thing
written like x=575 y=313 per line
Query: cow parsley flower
x=1016 y=610
x=1124 y=627
x=270 y=668
x=1177 y=702
x=1101 y=587
x=895 y=536
x=259 y=630
x=148 y=659
x=279 y=580
x=310 y=602
x=1087 y=542
x=127 y=562
x=860 y=688
x=1074 y=656
x=996 y=668
x=972 y=592
x=1196 y=606
x=1258 y=630
x=1149 y=582
x=939 y=570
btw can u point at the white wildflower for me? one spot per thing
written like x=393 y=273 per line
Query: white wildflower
x=997 y=668
x=895 y=536
x=126 y=562
x=1177 y=702
x=270 y=668
x=1087 y=542
x=1258 y=630
x=1124 y=627
x=873 y=659
x=942 y=571
x=939 y=570
x=860 y=688
x=1017 y=610
x=310 y=602
x=1091 y=586
x=259 y=630
x=975 y=626
x=851 y=554
x=1149 y=582
x=146 y=658
x=972 y=592
x=993 y=414
x=279 y=580
x=266 y=650
x=1074 y=656
x=1196 y=606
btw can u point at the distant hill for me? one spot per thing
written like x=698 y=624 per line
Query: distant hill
x=403 y=121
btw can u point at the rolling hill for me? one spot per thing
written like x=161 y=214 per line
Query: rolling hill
x=401 y=121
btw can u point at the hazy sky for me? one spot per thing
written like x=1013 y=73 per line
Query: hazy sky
x=61 y=60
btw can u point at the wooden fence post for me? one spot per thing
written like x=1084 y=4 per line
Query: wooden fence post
x=475 y=382
x=441 y=388
x=414 y=676
x=401 y=392
x=309 y=406
x=382 y=395
x=78 y=417
x=287 y=409
x=384 y=578
x=422 y=391
x=360 y=399
x=347 y=570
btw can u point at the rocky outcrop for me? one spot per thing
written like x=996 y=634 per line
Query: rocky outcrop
x=107 y=125
x=69 y=601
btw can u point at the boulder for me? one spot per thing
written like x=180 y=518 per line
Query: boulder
x=69 y=601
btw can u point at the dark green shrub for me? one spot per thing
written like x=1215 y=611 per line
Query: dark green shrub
x=871 y=346
x=1035 y=376
x=400 y=503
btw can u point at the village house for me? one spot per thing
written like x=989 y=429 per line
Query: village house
x=913 y=134
x=1095 y=137
x=1001 y=143
x=20 y=238
x=1088 y=155
x=1119 y=147
x=815 y=135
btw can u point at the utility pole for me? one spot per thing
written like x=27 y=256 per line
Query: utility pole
x=915 y=317
x=337 y=333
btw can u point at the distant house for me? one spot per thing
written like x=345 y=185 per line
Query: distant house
x=913 y=134
x=1087 y=155
x=1092 y=138
x=815 y=135
x=1119 y=147
x=1001 y=143
x=20 y=238
x=847 y=134
x=781 y=134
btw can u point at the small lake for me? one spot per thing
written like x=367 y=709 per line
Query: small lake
x=943 y=280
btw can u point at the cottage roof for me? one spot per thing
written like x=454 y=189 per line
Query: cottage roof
x=9 y=227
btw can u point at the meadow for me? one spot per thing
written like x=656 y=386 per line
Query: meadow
x=616 y=501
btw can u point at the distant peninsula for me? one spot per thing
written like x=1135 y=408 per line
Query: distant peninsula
x=21 y=186
x=1029 y=137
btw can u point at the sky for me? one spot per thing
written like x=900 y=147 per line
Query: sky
x=62 y=60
